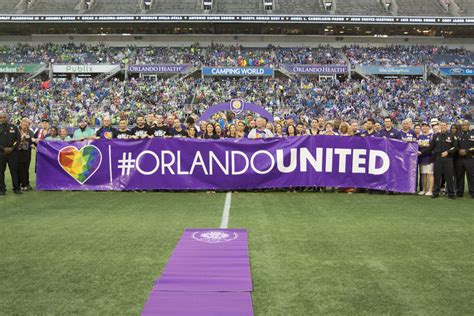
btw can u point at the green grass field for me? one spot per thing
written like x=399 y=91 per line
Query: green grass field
x=98 y=253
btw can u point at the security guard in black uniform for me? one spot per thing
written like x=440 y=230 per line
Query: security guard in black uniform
x=464 y=162
x=444 y=147
x=9 y=142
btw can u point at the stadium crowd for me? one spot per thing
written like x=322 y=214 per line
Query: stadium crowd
x=237 y=56
x=65 y=101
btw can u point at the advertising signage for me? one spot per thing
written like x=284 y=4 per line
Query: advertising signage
x=20 y=68
x=395 y=71
x=237 y=71
x=157 y=68
x=457 y=71
x=84 y=69
x=316 y=69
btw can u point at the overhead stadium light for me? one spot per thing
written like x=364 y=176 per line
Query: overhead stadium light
x=88 y=3
x=207 y=5
x=147 y=4
x=328 y=5
x=268 y=5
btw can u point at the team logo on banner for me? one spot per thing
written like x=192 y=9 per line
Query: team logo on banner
x=80 y=164
x=236 y=106
x=214 y=237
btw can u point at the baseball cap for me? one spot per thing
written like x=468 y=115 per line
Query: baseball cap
x=434 y=121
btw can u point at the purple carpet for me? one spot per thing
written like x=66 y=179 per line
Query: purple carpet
x=207 y=274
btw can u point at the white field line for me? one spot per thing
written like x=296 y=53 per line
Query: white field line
x=226 y=212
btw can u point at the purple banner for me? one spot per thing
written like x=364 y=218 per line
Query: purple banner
x=316 y=69
x=157 y=68
x=228 y=164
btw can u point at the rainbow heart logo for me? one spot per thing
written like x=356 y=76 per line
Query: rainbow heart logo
x=80 y=164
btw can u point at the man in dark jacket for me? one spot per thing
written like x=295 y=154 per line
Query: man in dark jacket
x=9 y=142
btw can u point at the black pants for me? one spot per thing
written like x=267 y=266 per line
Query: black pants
x=12 y=162
x=463 y=167
x=24 y=160
x=444 y=168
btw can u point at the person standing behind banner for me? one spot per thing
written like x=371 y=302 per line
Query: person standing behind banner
x=83 y=132
x=260 y=131
x=231 y=133
x=464 y=162
x=355 y=128
x=159 y=129
x=425 y=159
x=123 y=132
x=24 y=154
x=192 y=132
x=300 y=129
x=178 y=131
x=63 y=134
x=314 y=130
x=9 y=141
x=329 y=130
x=209 y=133
x=53 y=134
x=388 y=131
x=140 y=131
x=369 y=129
x=444 y=146
x=240 y=130
x=42 y=132
x=106 y=131
x=407 y=135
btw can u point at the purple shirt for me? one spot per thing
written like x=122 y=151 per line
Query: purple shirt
x=424 y=142
x=409 y=136
x=367 y=134
x=392 y=133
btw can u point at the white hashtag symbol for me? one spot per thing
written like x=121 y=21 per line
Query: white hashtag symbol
x=126 y=164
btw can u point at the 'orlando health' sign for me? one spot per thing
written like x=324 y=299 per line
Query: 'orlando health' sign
x=229 y=164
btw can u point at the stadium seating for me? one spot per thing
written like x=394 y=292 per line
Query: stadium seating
x=116 y=6
x=173 y=6
x=8 y=6
x=241 y=6
x=299 y=7
x=360 y=7
x=467 y=7
x=343 y=7
x=420 y=7
x=53 y=6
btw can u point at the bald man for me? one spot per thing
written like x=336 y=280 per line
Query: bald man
x=260 y=131
x=9 y=141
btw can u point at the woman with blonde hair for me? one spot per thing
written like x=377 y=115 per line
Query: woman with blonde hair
x=345 y=129
x=24 y=154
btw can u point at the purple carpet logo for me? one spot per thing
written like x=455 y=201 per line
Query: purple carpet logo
x=214 y=237
x=80 y=164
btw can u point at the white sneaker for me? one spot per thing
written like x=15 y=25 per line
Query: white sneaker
x=429 y=194
x=421 y=193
